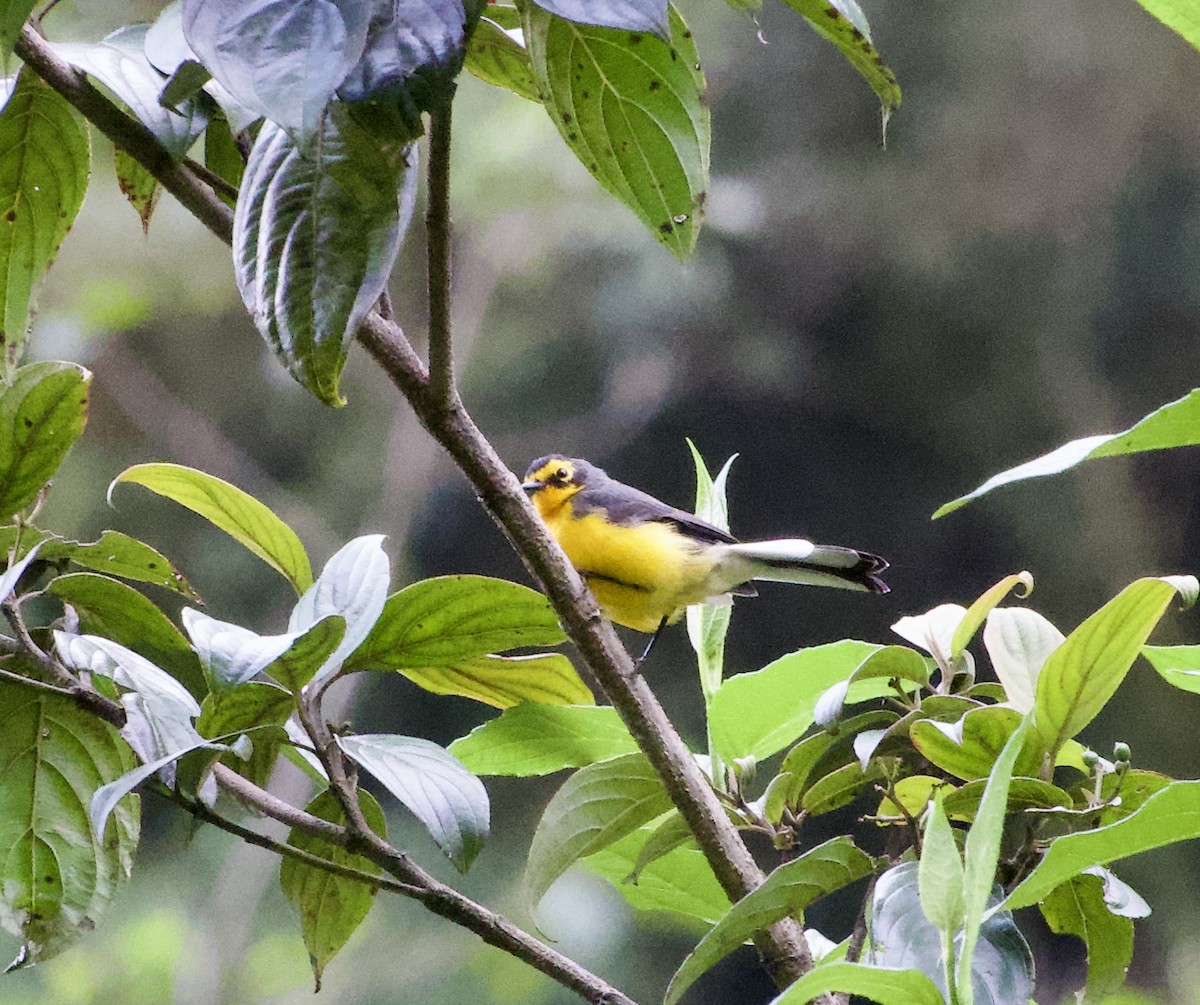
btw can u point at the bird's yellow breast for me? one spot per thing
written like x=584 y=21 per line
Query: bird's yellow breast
x=640 y=573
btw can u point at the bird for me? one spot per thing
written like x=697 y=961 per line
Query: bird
x=646 y=561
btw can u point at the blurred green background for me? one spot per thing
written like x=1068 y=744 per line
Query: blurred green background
x=875 y=331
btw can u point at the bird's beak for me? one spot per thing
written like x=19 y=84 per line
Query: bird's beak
x=531 y=487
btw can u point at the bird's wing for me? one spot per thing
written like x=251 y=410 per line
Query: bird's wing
x=629 y=506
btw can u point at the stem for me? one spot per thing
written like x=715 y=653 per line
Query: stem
x=787 y=954
x=437 y=231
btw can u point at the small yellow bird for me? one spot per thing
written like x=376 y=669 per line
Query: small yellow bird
x=646 y=561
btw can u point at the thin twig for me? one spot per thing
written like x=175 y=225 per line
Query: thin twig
x=213 y=180
x=437 y=237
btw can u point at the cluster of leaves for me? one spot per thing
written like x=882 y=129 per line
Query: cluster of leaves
x=935 y=755
x=216 y=692
x=309 y=114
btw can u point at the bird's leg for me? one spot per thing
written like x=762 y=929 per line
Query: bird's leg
x=650 y=645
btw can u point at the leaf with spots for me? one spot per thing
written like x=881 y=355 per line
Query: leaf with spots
x=494 y=55
x=632 y=109
x=42 y=412
x=138 y=185
x=44 y=156
x=843 y=23
x=56 y=876
x=330 y=907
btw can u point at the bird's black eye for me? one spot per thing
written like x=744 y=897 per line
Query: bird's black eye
x=561 y=475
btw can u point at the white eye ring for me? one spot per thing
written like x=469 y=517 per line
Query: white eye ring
x=560 y=475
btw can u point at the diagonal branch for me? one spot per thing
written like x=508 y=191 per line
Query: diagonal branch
x=783 y=945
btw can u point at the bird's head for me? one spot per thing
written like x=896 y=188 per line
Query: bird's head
x=553 y=479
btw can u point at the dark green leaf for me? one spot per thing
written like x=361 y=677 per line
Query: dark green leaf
x=1171 y=814
x=185 y=82
x=629 y=15
x=232 y=655
x=841 y=787
x=788 y=890
x=843 y=23
x=671 y=832
x=240 y=515
x=442 y=794
x=257 y=710
x=58 y=875
x=1077 y=908
x=1023 y=794
x=804 y=757
x=42 y=413
x=120 y=555
x=119 y=62
x=536 y=739
x=315 y=235
x=632 y=109
x=494 y=56
x=223 y=157
x=438 y=622
x=888 y=663
x=598 y=805
x=117 y=611
x=330 y=907
x=44 y=161
x=311 y=651
x=1133 y=788
x=12 y=16
x=504 y=681
x=281 y=58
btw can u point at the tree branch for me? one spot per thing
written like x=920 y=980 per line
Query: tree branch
x=437 y=236
x=783 y=945
x=439 y=898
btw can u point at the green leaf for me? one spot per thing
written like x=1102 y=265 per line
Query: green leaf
x=119 y=62
x=968 y=749
x=12 y=16
x=44 y=162
x=1133 y=788
x=1171 y=814
x=118 y=554
x=843 y=23
x=536 y=739
x=800 y=761
x=504 y=681
x=223 y=157
x=58 y=876
x=940 y=872
x=681 y=882
x=841 y=787
x=441 y=621
x=758 y=714
x=1178 y=15
x=227 y=507
x=631 y=107
x=982 y=854
x=788 y=890
x=312 y=650
x=257 y=710
x=450 y=801
x=888 y=663
x=1077 y=908
x=315 y=235
x=1023 y=793
x=628 y=15
x=117 y=611
x=497 y=58
x=1179 y=666
x=353 y=585
x=138 y=185
x=670 y=832
x=884 y=985
x=330 y=907
x=232 y=655
x=42 y=413
x=1019 y=642
x=596 y=806
x=979 y=611
x=1083 y=673
x=1173 y=425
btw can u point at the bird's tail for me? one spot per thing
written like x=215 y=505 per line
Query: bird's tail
x=794 y=560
